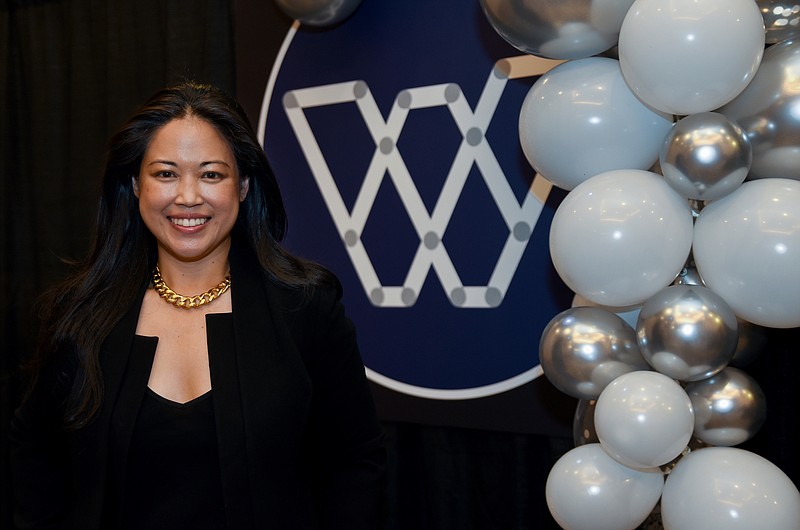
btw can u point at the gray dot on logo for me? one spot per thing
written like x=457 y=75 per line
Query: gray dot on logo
x=474 y=136
x=502 y=69
x=350 y=238
x=408 y=296
x=522 y=231
x=452 y=92
x=377 y=296
x=386 y=146
x=360 y=89
x=404 y=99
x=493 y=296
x=458 y=296
x=431 y=240
x=290 y=101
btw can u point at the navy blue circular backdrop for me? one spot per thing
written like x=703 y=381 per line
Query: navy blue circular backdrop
x=391 y=47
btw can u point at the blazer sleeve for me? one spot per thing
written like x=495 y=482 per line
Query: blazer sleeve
x=344 y=427
x=39 y=455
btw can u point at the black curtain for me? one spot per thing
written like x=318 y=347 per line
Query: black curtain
x=70 y=72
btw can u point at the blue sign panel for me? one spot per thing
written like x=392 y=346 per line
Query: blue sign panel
x=394 y=136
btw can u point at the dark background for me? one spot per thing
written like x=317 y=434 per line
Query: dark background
x=70 y=73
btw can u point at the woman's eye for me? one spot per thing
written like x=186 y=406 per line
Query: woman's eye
x=165 y=174
x=212 y=175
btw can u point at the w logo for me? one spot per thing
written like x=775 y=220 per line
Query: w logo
x=387 y=160
x=395 y=141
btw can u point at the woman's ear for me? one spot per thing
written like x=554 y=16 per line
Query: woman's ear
x=135 y=182
x=244 y=187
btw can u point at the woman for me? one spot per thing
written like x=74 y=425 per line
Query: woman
x=244 y=406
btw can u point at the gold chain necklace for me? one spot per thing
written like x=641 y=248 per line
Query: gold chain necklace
x=188 y=302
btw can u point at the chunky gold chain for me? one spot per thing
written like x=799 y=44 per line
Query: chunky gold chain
x=188 y=302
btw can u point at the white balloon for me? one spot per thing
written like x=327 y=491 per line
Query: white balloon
x=587 y=489
x=747 y=249
x=580 y=119
x=725 y=487
x=685 y=56
x=620 y=237
x=644 y=419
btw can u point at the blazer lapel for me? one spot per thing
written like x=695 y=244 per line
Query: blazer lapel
x=92 y=443
x=268 y=403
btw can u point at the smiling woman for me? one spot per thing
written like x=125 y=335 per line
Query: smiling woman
x=189 y=191
x=243 y=406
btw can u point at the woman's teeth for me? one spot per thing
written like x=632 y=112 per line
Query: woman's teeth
x=188 y=222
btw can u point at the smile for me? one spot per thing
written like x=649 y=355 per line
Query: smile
x=188 y=222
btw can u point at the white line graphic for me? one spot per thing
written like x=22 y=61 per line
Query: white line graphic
x=387 y=160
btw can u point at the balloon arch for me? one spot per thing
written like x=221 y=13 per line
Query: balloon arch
x=674 y=127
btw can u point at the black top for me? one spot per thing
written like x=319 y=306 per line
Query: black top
x=172 y=477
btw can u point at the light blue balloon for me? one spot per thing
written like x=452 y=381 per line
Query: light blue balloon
x=581 y=119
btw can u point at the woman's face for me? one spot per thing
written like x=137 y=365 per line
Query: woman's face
x=189 y=190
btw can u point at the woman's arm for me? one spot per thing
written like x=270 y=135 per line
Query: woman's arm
x=38 y=454
x=348 y=436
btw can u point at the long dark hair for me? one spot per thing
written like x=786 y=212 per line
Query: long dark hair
x=79 y=313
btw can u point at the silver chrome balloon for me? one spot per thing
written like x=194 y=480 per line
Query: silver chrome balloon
x=705 y=156
x=729 y=407
x=318 y=12
x=687 y=332
x=567 y=29
x=781 y=19
x=752 y=341
x=768 y=112
x=583 y=349
x=583 y=431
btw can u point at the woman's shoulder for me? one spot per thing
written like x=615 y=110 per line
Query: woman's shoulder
x=310 y=298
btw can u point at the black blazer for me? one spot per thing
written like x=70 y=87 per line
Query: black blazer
x=299 y=441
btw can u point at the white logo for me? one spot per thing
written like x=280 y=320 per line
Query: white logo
x=387 y=160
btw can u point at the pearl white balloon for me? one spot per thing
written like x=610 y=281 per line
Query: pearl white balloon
x=725 y=488
x=587 y=489
x=685 y=56
x=747 y=249
x=620 y=237
x=630 y=314
x=580 y=119
x=644 y=419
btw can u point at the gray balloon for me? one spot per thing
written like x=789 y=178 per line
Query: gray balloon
x=567 y=29
x=318 y=12
x=705 y=156
x=767 y=111
x=729 y=407
x=752 y=341
x=583 y=349
x=687 y=332
x=583 y=431
x=781 y=19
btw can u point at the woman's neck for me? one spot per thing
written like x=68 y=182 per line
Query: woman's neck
x=192 y=277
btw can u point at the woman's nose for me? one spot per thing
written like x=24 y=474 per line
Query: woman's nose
x=188 y=192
